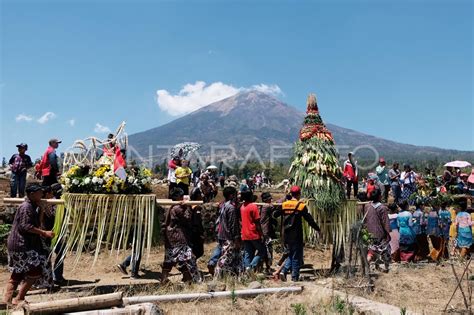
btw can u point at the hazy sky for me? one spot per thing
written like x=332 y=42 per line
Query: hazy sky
x=400 y=70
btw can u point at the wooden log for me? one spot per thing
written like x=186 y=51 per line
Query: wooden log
x=75 y=305
x=209 y=295
x=137 y=309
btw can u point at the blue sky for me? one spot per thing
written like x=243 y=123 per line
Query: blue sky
x=400 y=70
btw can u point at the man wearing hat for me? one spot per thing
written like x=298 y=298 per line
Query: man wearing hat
x=382 y=174
x=19 y=165
x=293 y=211
x=49 y=166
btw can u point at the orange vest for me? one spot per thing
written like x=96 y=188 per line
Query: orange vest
x=291 y=206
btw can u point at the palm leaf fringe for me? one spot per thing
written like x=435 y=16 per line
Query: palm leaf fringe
x=92 y=222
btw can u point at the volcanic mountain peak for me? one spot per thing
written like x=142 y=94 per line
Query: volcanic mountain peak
x=252 y=100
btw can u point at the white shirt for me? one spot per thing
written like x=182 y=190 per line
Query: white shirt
x=172 y=175
x=408 y=179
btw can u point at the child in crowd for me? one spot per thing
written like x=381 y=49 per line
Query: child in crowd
x=394 y=233
x=407 y=235
x=463 y=228
x=444 y=217
x=433 y=231
x=419 y=227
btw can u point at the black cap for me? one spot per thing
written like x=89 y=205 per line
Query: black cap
x=31 y=188
x=22 y=145
x=54 y=140
x=266 y=196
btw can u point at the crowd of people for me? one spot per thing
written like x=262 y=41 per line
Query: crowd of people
x=244 y=231
x=399 y=231
x=403 y=184
x=401 y=234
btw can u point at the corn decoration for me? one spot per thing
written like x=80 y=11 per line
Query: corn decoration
x=315 y=168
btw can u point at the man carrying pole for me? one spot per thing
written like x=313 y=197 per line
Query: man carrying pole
x=293 y=211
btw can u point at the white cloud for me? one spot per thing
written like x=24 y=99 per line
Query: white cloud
x=23 y=117
x=194 y=96
x=272 y=89
x=71 y=122
x=101 y=129
x=46 y=117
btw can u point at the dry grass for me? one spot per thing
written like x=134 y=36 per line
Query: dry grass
x=424 y=288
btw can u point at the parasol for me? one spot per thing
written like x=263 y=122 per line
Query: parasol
x=459 y=164
x=183 y=150
x=211 y=167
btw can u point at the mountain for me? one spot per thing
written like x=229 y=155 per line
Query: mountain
x=249 y=124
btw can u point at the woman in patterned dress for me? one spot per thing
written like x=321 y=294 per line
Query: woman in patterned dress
x=178 y=252
x=26 y=253
x=463 y=227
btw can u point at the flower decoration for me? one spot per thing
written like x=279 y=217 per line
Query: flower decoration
x=103 y=180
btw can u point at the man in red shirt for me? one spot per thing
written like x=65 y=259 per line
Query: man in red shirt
x=351 y=175
x=252 y=236
x=49 y=165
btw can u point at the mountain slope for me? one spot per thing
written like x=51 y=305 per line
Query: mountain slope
x=255 y=122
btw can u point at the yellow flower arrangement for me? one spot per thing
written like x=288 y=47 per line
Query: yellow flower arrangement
x=72 y=171
x=108 y=186
x=147 y=172
x=101 y=171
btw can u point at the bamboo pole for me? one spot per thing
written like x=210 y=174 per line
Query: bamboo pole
x=210 y=295
x=160 y=202
x=20 y=200
x=169 y=202
x=75 y=305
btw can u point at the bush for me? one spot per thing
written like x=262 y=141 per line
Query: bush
x=4 y=231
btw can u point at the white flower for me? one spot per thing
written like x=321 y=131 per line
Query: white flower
x=95 y=180
x=75 y=181
x=131 y=179
x=87 y=180
x=100 y=181
x=68 y=181
x=144 y=181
